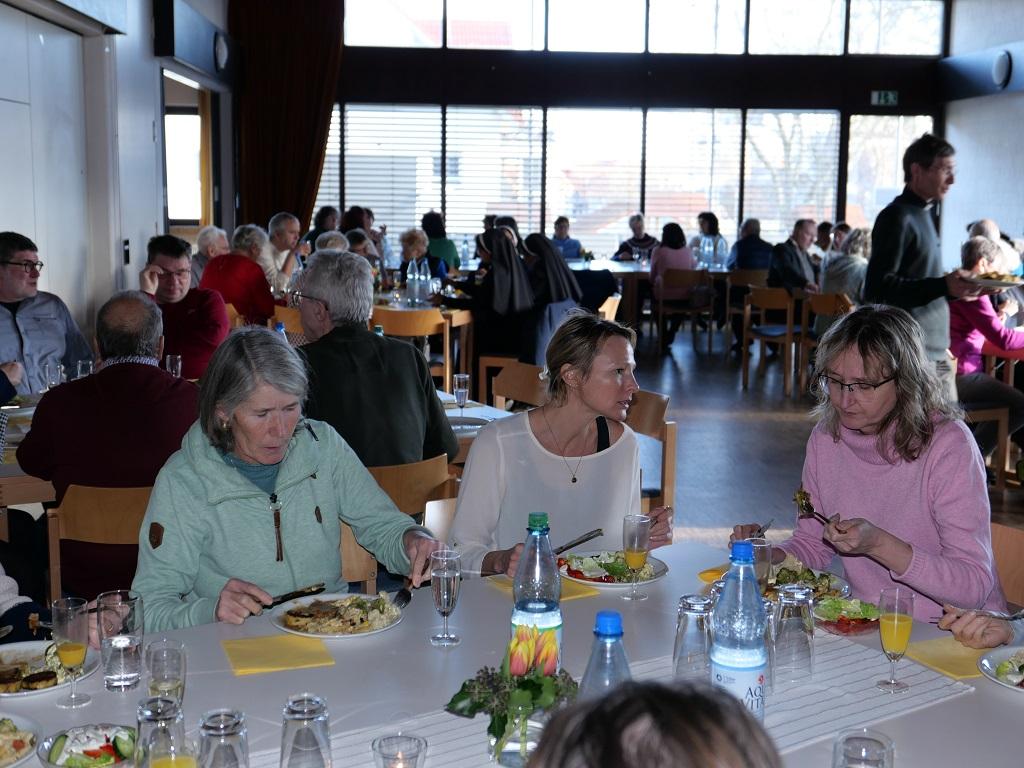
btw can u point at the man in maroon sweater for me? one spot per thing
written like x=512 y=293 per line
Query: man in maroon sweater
x=195 y=320
x=115 y=428
x=240 y=279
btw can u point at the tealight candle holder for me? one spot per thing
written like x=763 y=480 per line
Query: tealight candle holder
x=399 y=751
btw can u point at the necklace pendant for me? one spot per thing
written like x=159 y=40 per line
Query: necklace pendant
x=574 y=478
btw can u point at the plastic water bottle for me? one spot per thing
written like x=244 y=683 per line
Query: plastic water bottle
x=279 y=328
x=379 y=330
x=465 y=249
x=607 y=666
x=739 y=658
x=537 y=587
x=412 y=283
x=424 y=273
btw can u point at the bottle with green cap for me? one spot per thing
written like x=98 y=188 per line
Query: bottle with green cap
x=537 y=588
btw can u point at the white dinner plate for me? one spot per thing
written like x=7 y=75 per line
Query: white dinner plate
x=25 y=724
x=467 y=423
x=660 y=569
x=14 y=653
x=987 y=283
x=277 y=617
x=988 y=663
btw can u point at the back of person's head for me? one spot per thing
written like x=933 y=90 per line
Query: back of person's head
x=857 y=243
x=248 y=237
x=824 y=228
x=129 y=324
x=672 y=235
x=925 y=151
x=978 y=248
x=575 y=343
x=325 y=213
x=167 y=245
x=710 y=220
x=562 y=220
x=640 y=725
x=279 y=220
x=509 y=223
x=842 y=227
x=353 y=218
x=751 y=227
x=432 y=223
x=331 y=240
x=12 y=242
x=489 y=221
x=209 y=235
x=356 y=237
x=344 y=283
x=412 y=237
x=984 y=228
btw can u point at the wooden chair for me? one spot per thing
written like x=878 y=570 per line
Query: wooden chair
x=235 y=320
x=759 y=300
x=610 y=307
x=520 y=382
x=419 y=323
x=694 y=280
x=821 y=304
x=488 y=363
x=95 y=516
x=736 y=279
x=1008 y=553
x=646 y=416
x=290 y=317
x=1002 y=450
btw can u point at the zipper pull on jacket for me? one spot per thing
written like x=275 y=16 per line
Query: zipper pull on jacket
x=275 y=507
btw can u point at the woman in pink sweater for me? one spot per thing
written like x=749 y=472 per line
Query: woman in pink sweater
x=893 y=467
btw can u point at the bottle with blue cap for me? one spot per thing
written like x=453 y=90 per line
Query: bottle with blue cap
x=739 y=657
x=607 y=666
x=279 y=328
x=537 y=587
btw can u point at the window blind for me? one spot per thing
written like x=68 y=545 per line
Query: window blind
x=329 y=190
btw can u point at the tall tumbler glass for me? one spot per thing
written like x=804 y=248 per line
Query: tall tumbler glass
x=690 y=657
x=120 y=629
x=762 y=561
x=222 y=740
x=769 y=644
x=173 y=365
x=794 y=635
x=306 y=735
x=160 y=736
x=167 y=665
x=85 y=368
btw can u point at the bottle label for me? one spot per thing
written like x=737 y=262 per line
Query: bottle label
x=535 y=647
x=745 y=683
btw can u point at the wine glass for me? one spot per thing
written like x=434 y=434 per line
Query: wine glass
x=461 y=391
x=636 y=536
x=71 y=635
x=445 y=575
x=896 y=619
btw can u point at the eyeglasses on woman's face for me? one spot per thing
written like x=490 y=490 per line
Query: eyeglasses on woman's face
x=836 y=387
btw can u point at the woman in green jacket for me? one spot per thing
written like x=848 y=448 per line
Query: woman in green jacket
x=252 y=504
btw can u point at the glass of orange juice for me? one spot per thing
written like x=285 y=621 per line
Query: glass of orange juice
x=636 y=538
x=896 y=619
x=71 y=636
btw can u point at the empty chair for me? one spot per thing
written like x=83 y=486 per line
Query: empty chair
x=418 y=324
x=700 y=303
x=646 y=417
x=520 y=382
x=737 y=285
x=760 y=300
x=826 y=305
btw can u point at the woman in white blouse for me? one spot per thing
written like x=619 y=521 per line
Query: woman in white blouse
x=572 y=458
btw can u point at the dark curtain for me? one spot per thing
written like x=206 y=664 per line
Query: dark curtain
x=291 y=56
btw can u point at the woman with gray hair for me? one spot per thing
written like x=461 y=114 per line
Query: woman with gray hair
x=895 y=470
x=251 y=505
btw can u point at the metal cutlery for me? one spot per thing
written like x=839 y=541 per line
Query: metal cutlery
x=759 y=533
x=402 y=598
x=580 y=540
x=315 y=589
x=805 y=508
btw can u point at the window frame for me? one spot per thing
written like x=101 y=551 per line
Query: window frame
x=177 y=110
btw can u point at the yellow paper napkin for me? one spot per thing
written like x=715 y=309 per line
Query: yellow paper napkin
x=946 y=655
x=274 y=653
x=571 y=590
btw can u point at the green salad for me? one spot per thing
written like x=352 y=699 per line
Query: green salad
x=607 y=567
x=1012 y=670
x=831 y=608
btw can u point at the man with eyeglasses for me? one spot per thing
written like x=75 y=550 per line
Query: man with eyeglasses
x=195 y=319
x=35 y=326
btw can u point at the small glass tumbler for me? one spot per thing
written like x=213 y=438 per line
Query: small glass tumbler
x=222 y=740
x=863 y=748
x=690 y=657
x=160 y=733
x=794 y=635
x=173 y=365
x=769 y=644
x=306 y=734
x=715 y=590
x=84 y=369
x=120 y=629
x=53 y=373
x=762 y=561
x=402 y=750
x=166 y=663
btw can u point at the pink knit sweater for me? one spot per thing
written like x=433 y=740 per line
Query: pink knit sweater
x=937 y=504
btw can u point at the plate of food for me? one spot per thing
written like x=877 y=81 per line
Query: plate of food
x=32 y=667
x=996 y=280
x=841 y=616
x=792 y=571
x=18 y=738
x=1004 y=666
x=337 y=615
x=608 y=569
x=88 y=746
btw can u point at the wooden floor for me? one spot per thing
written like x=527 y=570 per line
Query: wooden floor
x=740 y=454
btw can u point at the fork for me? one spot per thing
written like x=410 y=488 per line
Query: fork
x=994 y=614
x=759 y=533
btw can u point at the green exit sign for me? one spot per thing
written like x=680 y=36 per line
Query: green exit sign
x=885 y=98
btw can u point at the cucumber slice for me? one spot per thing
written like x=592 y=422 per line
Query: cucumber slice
x=57 y=748
x=124 y=744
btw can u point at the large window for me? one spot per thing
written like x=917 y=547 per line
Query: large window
x=184 y=187
x=797 y=26
x=792 y=165
x=505 y=24
x=896 y=27
x=329 y=191
x=593 y=173
x=497 y=156
x=393 y=161
x=394 y=23
x=596 y=25
x=693 y=165
x=875 y=169
x=697 y=26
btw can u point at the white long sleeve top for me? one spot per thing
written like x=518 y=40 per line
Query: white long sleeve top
x=509 y=474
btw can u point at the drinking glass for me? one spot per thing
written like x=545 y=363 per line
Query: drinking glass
x=306 y=735
x=84 y=368
x=794 y=634
x=402 y=750
x=161 y=741
x=167 y=664
x=445 y=575
x=173 y=365
x=54 y=374
x=715 y=590
x=690 y=658
x=896 y=619
x=769 y=644
x=461 y=390
x=636 y=537
x=762 y=561
x=71 y=634
x=435 y=286
x=119 y=625
x=863 y=748
x=222 y=740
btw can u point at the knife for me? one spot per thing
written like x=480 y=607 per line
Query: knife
x=580 y=540
x=316 y=589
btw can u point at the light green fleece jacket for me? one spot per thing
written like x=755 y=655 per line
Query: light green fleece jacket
x=206 y=524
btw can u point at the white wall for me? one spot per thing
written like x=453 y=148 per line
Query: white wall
x=985 y=132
